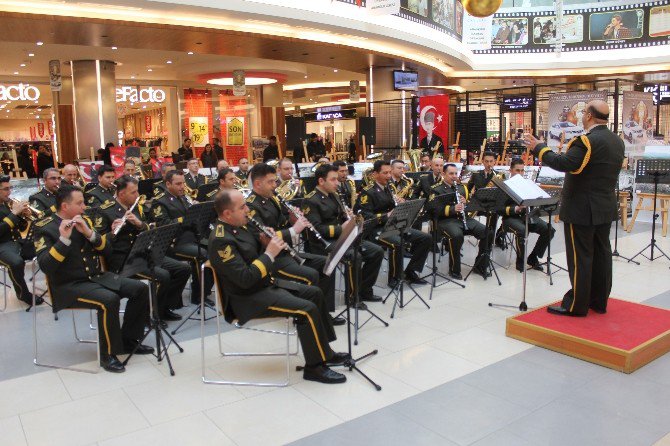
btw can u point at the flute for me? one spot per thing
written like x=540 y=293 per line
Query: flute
x=297 y=213
x=291 y=251
x=123 y=219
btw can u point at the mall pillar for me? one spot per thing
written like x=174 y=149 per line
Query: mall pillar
x=390 y=118
x=94 y=102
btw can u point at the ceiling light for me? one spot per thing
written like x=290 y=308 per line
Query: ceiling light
x=144 y=106
x=168 y=61
x=335 y=70
x=132 y=77
x=150 y=70
x=114 y=48
x=248 y=81
x=37 y=116
x=190 y=53
x=305 y=76
x=16 y=72
x=31 y=54
x=22 y=65
x=40 y=43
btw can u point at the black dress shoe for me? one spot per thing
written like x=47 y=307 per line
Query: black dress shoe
x=371 y=298
x=129 y=346
x=29 y=300
x=456 y=276
x=339 y=320
x=562 y=311
x=414 y=278
x=338 y=359
x=321 y=373
x=208 y=301
x=112 y=364
x=169 y=315
x=535 y=264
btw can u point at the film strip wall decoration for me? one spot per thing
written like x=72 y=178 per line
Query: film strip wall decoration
x=584 y=29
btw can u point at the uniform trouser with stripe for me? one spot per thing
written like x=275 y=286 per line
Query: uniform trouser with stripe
x=106 y=302
x=315 y=329
x=452 y=228
x=536 y=226
x=309 y=273
x=589 y=258
x=171 y=278
x=10 y=258
x=420 y=247
x=191 y=253
x=370 y=260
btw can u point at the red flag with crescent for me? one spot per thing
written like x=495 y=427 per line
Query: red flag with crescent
x=434 y=123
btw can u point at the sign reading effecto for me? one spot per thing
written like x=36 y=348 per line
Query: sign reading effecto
x=139 y=94
x=20 y=92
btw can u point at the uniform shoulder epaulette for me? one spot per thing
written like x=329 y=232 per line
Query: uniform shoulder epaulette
x=44 y=221
x=107 y=204
x=311 y=194
x=159 y=196
x=251 y=198
x=368 y=187
x=436 y=185
x=212 y=193
x=219 y=231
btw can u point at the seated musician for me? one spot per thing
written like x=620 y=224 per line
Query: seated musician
x=376 y=201
x=242 y=173
x=400 y=185
x=70 y=175
x=244 y=270
x=482 y=179
x=172 y=274
x=68 y=251
x=104 y=190
x=324 y=209
x=45 y=200
x=170 y=207
x=346 y=187
x=425 y=162
x=227 y=180
x=423 y=187
x=266 y=208
x=159 y=186
x=285 y=172
x=514 y=221
x=193 y=178
x=12 y=221
x=130 y=168
x=450 y=223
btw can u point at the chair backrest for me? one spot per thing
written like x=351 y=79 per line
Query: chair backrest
x=228 y=312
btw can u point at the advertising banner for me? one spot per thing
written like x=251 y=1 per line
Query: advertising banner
x=354 y=91
x=40 y=129
x=638 y=117
x=565 y=115
x=198 y=131
x=382 y=7
x=235 y=131
x=147 y=123
x=239 y=86
x=477 y=32
x=54 y=75
x=433 y=123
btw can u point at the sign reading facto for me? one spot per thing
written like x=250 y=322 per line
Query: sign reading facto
x=139 y=94
x=327 y=116
x=20 y=92
x=661 y=92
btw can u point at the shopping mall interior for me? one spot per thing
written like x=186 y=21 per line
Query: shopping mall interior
x=473 y=133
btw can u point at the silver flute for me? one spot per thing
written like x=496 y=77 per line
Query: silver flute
x=297 y=213
x=291 y=251
x=123 y=219
x=458 y=201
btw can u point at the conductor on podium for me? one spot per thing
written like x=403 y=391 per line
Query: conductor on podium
x=591 y=164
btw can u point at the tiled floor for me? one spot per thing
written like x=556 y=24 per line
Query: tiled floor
x=449 y=377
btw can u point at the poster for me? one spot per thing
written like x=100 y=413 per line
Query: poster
x=637 y=116
x=419 y=7
x=55 y=80
x=545 y=29
x=565 y=115
x=354 y=91
x=616 y=25
x=239 y=87
x=443 y=13
x=198 y=131
x=147 y=123
x=659 y=21
x=510 y=31
x=433 y=123
x=235 y=131
x=477 y=32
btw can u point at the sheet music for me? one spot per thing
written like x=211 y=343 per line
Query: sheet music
x=337 y=255
x=525 y=189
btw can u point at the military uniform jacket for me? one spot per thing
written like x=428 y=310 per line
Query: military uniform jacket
x=124 y=240
x=167 y=209
x=10 y=225
x=347 y=191
x=242 y=268
x=325 y=214
x=449 y=210
x=242 y=175
x=67 y=266
x=480 y=180
x=98 y=196
x=193 y=181
x=591 y=164
x=159 y=188
x=43 y=201
x=270 y=212
x=375 y=202
x=397 y=186
x=212 y=194
x=423 y=188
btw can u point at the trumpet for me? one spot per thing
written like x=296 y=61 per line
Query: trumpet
x=297 y=213
x=458 y=201
x=291 y=251
x=123 y=219
x=35 y=214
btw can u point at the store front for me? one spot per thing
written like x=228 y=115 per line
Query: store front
x=334 y=125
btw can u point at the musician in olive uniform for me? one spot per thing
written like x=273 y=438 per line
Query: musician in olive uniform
x=170 y=207
x=376 y=201
x=104 y=190
x=226 y=179
x=242 y=173
x=591 y=164
x=346 y=187
x=324 y=209
x=450 y=223
x=171 y=276
x=266 y=208
x=70 y=175
x=68 y=251
x=514 y=221
x=194 y=179
x=159 y=186
x=285 y=171
x=426 y=182
x=399 y=183
x=252 y=291
x=11 y=224
x=482 y=179
x=45 y=200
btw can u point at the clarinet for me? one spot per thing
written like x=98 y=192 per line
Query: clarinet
x=291 y=251
x=297 y=213
x=458 y=201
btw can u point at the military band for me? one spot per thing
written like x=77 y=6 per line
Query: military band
x=193 y=178
x=45 y=200
x=104 y=190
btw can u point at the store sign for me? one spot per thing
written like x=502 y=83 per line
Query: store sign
x=198 y=131
x=20 y=92
x=660 y=93
x=235 y=131
x=139 y=94
x=327 y=116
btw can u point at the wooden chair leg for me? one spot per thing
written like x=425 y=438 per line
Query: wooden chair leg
x=640 y=201
x=623 y=209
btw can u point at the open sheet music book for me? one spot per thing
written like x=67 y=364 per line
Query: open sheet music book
x=525 y=189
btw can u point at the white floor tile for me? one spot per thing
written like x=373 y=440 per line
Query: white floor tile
x=12 y=432
x=480 y=346
x=31 y=392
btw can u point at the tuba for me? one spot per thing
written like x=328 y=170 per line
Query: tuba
x=414 y=159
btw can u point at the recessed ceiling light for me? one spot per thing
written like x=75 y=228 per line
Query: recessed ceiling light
x=40 y=43
x=168 y=61
x=150 y=69
x=335 y=70
x=190 y=53
x=305 y=76
x=37 y=116
x=22 y=65
x=31 y=54
x=16 y=72
x=132 y=77
x=114 y=48
x=144 y=106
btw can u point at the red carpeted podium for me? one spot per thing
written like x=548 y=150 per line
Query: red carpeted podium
x=626 y=338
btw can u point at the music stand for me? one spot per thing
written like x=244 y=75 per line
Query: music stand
x=147 y=253
x=647 y=171
x=549 y=210
x=367 y=228
x=487 y=200
x=204 y=189
x=351 y=232
x=197 y=218
x=522 y=200
x=436 y=204
x=615 y=252
x=401 y=219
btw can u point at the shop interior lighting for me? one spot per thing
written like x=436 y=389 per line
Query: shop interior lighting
x=168 y=61
x=190 y=53
x=114 y=48
x=22 y=65
x=31 y=54
x=248 y=81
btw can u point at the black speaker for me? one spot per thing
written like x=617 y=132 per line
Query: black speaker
x=296 y=131
x=367 y=127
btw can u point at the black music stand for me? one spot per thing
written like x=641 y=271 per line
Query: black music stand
x=647 y=171
x=204 y=189
x=436 y=204
x=529 y=203
x=400 y=221
x=487 y=200
x=197 y=218
x=367 y=228
x=549 y=210
x=147 y=253
x=615 y=252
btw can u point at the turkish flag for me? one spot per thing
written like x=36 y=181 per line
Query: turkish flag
x=434 y=123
